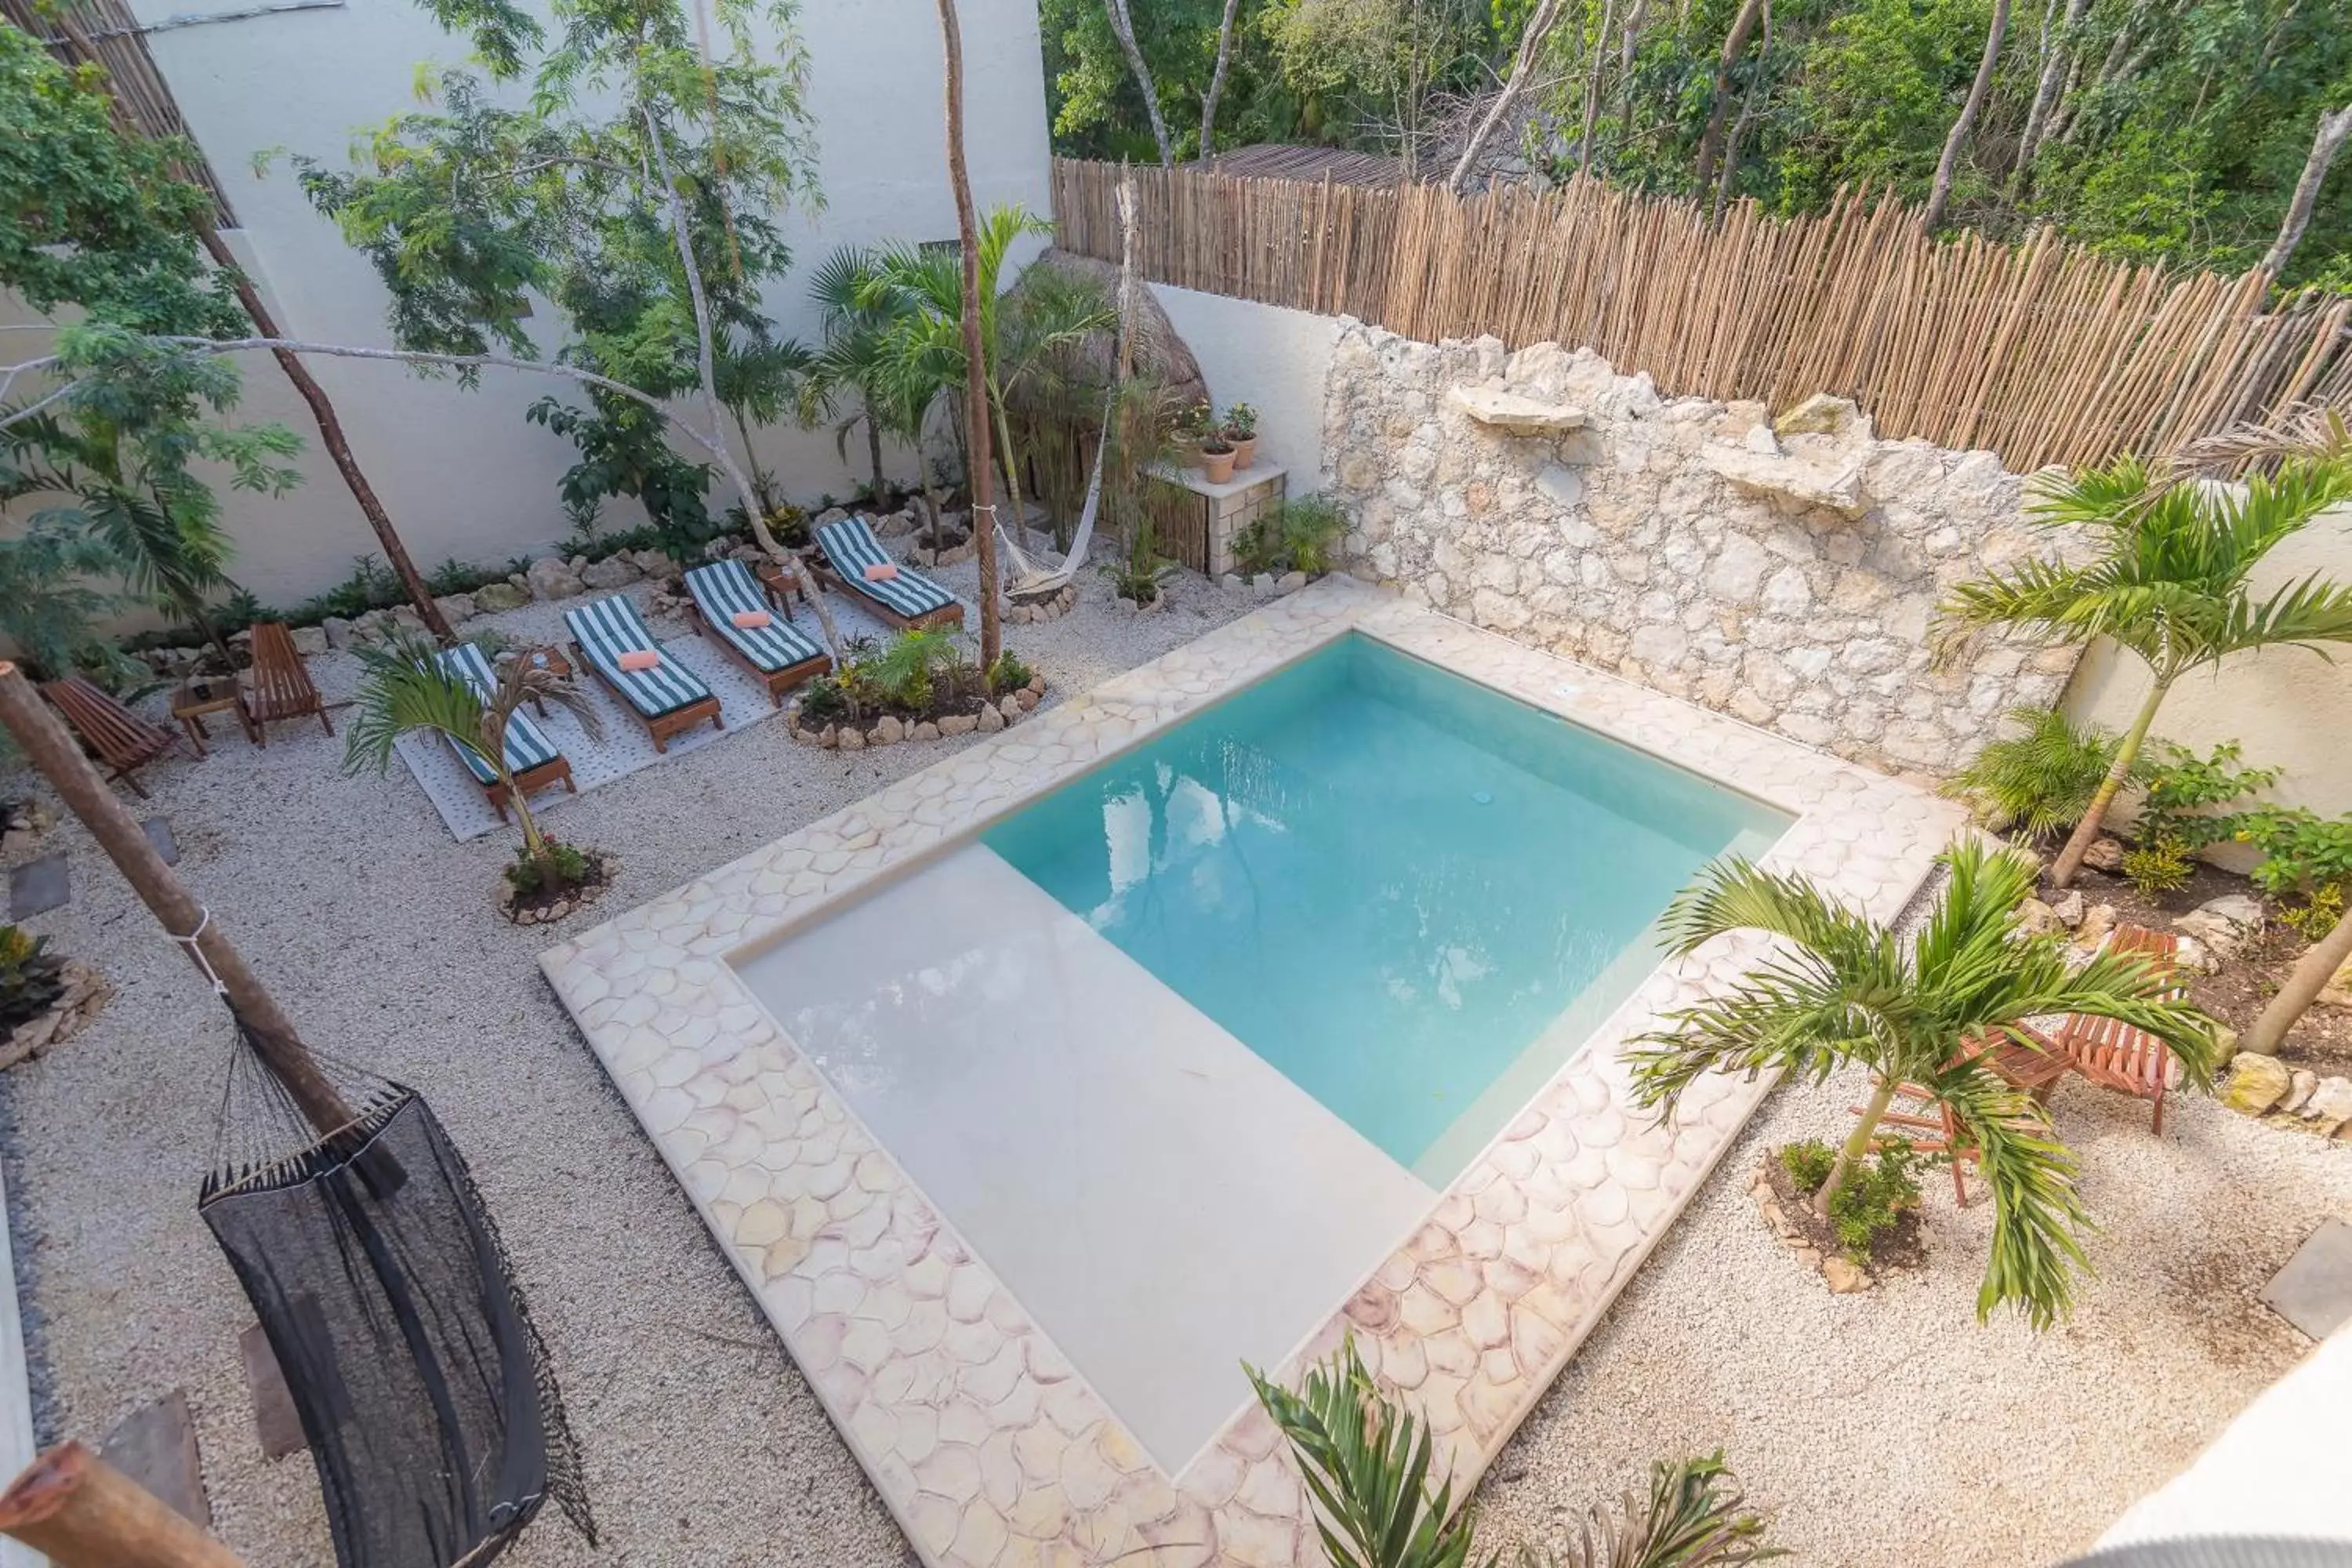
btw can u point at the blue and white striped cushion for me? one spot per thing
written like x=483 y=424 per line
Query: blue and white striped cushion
x=609 y=628
x=527 y=745
x=726 y=588
x=851 y=547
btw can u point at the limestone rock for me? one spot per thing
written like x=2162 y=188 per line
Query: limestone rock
x=1233 y=582
x=889 y=731
x=1009 y=707
x=2329 y=1104
x=1290 y=581
x=2070 y=910
x=2097 y=921
x=989 y=720
x=2224 y=924
x=1514 y=413
x=2104 y=854
x=2225 y=1045
x=613 y=571
x=2337 y=992
x=1026 y=698
x=2035 y=918
x=2302 y=1083
x=925 y=730
x=2194 y=955
x=2256 y=1083
x=454 y=607
x=310 y=641
x=1798 y=478
x=492 y=597
x=337 y=630
x=958 y=724
x=852 y=738
x=1819 y=414
x=553 y=579
x=1845 y=1279
x=1760 y=441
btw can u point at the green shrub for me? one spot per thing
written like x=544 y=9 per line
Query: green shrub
x=904 y=673
x=2160 y=865
x=822 y=702
x=2305 y=855
x=2316 y=915
x=1009 y=673
x=2042 y=780
x=1873 y=1199
x=1295 y=535
x=31 y=977
x=560 y=868
x=2185 y=794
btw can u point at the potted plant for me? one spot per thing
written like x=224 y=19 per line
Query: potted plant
x=1241 y=429
x=1193 y=429
x=1216 y=458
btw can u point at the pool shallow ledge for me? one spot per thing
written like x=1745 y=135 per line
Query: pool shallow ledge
x=981 y=1435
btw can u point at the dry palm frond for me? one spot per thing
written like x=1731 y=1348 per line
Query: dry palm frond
x=2307 y=432
x=1684 y=1522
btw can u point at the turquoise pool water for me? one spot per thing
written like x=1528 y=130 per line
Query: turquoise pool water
x=1413 y=895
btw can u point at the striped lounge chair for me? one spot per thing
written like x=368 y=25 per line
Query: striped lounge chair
x=906 y=600
x=780 y=654
x=532 y=757
x=669 y=699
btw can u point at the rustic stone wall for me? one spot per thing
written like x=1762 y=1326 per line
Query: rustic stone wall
x=1790 y=581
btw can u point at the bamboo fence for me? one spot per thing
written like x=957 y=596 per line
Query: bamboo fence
x=2041 y=352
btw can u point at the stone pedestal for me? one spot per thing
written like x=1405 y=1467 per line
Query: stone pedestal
x=1196 y=521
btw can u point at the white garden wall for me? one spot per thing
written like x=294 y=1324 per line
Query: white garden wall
x=462 y=473
x=1274 y=359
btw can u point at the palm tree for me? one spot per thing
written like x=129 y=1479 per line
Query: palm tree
x=1853 y=991
x=1366 y=1460
x=405 y=687
x=2168 y=582
x=856 y=362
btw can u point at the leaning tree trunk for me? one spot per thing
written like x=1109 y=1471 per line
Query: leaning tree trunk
x=2057 y=54
x=1523 y=68
x=1857 y=1148
x=2086 y=831
x=2309 y=977
x=1939 y=195
x=2333 y=127
x=873 y=454
x=1122 y=25
x=1593 y=90
x=1217 y=79
x=975 y=384
x=1710 y=142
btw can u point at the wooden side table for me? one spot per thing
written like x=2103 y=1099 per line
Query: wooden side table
x=223 y=696
x=781 y=582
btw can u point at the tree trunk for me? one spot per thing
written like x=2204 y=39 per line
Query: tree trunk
x=2078 y=844
x=1523 y=66
x=2309 y=977
x=2056 y=58
x=1217 y=79
x=1592 y=88
x=2333 y=127
x=1939 y=195
x=1747 y=115
x=873 y=455
x=82 y=1512
x=1625 y=51
x=1710 y=142
x=1122 y=27
x=52 y=750
x=976 y=395
x=1856 y=1147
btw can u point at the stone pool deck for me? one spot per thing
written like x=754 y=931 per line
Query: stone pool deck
x=983 y=1439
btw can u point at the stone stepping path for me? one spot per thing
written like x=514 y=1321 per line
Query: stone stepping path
x=2313 y=1291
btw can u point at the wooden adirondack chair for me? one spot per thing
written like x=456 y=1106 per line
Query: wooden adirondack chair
x=2118 y=1056
x=279 y=684
x=1932 y=1129
x=121 y=739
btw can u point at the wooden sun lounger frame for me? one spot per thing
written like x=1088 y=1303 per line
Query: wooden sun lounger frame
x=662 y=728
x=556 y=769
x=281 y=687
x=948 y=615
x=2118 y=1056
x=778 y=681
x=124 y=742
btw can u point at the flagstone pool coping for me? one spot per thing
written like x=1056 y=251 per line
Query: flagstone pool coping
x=985 y=1443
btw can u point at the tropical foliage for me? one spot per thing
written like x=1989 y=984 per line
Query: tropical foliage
x=31 y=977
x=404 y=688
x=1367 y=1459
x=2172 y=132
x=2041 y=779
x=1846 y=991
x=2168 y=580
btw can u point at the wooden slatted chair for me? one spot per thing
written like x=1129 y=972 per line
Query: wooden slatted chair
x=121 y=739
x=2118 y=1056
x=279 y=682
x=1932 y=1129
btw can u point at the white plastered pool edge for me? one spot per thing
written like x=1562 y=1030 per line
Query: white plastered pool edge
x=982 y=1440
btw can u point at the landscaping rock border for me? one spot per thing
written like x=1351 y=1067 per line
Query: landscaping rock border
x=85 y=993
x=605 y=868
x=1843 y=1275
x=2269 y=1090
x=890 y=729
x=1053 y=607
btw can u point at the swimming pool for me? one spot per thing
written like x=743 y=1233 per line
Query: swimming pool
x=1017 y=1204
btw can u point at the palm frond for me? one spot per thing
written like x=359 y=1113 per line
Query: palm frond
x=2042 y=777
x=1683 y=1522
x=2313 y=431
x=2038 y=1215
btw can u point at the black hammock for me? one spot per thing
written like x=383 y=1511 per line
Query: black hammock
x=380 y=1280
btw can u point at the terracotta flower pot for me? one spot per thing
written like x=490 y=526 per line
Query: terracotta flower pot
x=1217 y=464
x=1245 y=450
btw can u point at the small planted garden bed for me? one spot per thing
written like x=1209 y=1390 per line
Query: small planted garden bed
x=920 y=684
x=44 y=999
x=1872 y=1225
x=561 y=881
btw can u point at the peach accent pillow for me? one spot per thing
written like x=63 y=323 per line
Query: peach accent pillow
x=882 y=573
x=752 y=620
x=637 y=659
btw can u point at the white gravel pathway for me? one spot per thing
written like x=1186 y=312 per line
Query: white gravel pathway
x=1883 y=1429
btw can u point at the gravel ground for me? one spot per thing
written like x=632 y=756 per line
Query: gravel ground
x=1884 y=1429
x=703 y=1446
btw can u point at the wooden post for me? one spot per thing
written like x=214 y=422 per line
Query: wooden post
x=85 y=1513
x=45 y=741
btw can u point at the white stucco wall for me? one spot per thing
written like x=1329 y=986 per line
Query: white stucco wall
x=462 y=474
x=1275 y=360
x=2288 y=708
